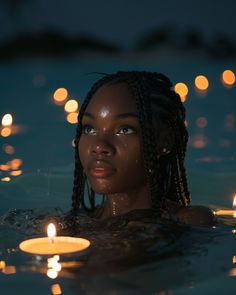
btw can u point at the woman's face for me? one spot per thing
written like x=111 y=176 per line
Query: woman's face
x=110 y=144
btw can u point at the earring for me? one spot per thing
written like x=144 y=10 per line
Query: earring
x=165 y=151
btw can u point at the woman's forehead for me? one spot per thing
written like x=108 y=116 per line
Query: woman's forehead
x=115 y=99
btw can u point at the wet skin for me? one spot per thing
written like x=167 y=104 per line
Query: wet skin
x=111 y=155
x=110 y=150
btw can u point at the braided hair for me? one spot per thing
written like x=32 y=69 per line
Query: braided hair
x=159 y=108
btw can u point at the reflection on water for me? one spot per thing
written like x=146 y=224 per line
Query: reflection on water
x=134 y=257
x=145 y=259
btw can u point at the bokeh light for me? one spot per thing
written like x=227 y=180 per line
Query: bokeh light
x=201 y=122
x=15 y=164
x=8 y=149
x=182 y=90
x=7 y=120
x=71 y=106
x=4 y=167
x=5 y=179
x=56 y=289
x=198 y=141
x=228 y=78
x=60 y=95
x=72 y=118
x=201 y=83
x=52 y=273
x=6 y=131
x=16 y=172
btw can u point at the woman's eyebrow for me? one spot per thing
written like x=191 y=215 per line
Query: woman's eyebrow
x=89 y=115
x=124 y=115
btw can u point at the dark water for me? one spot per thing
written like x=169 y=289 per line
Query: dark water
x=138 y=258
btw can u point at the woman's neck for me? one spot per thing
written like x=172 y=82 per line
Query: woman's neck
x=122 y=203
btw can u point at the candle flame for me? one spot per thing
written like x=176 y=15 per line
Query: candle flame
x=234 y=202
x=51 y=230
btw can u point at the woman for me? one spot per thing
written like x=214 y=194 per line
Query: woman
x=130 y=148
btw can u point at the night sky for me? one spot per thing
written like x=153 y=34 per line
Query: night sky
x=117 y=21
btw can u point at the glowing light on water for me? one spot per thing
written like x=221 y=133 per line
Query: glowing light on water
x=234 y=259
x=72 y=118
x=52 y=273
x=201 y=83
x=9 y=270
x=16 y=172
x=54 y=266
x=7 y=120
x=199 y=141
x=228 y=78
x=15 y=164
x=182 y=90
x=6 y=179
x=4 y=167
x=60 y=95
x=2 y=264
x=201 y=122
x=56 y=289
x=6 y=131
x=71 y=106
x=232 y=272
x=8 y=149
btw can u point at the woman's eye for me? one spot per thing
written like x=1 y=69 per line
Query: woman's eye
x=88 y=129
x=125 y=130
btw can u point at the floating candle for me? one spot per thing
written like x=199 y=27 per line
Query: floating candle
x=228 y=212
x=54 y=245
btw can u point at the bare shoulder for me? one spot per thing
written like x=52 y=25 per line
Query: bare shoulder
x=196 y=215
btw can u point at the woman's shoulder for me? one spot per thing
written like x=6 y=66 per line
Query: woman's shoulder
x=196 y=215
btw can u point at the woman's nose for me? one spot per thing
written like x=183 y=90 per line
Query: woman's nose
x=102 y=147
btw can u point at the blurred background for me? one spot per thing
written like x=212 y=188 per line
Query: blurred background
x=49 y=51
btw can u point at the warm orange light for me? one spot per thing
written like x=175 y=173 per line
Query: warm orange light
x=199 y=141
x=201 y=83
x=4 y=167
x=56 y=289
x=8 y=149
x=201 y=122
x=182 y=90
x=60 y=95
x=72 y=118
x=16 y=173
x=9 y=270
x=51 y=230
x=228 y=78
x=2 y=264
x=6 y=179
x=15 y=164
x=71 y=106
x=232 y=272
x=6 y=131
x=7 y=120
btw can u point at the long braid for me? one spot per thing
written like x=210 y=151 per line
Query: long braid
x=166 y=176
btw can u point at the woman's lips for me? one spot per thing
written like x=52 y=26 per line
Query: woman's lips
x=101 y=170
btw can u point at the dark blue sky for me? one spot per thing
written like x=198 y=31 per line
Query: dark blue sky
x=119 y=21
